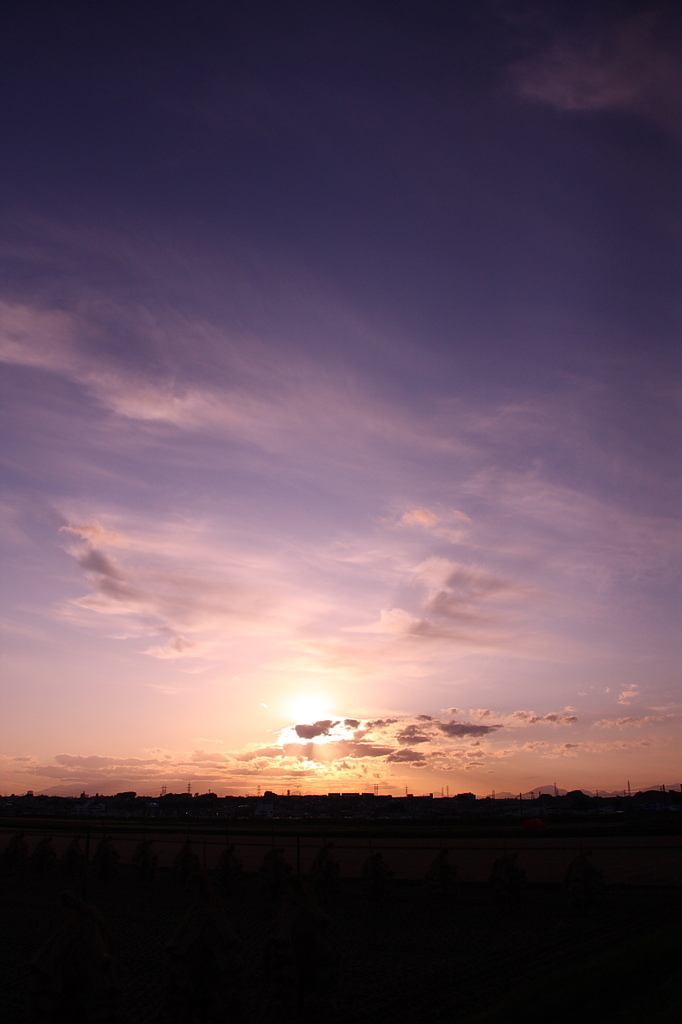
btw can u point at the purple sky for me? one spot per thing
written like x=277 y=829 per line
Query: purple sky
x=340 y=395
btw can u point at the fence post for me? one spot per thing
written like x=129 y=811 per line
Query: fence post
x=86 y=866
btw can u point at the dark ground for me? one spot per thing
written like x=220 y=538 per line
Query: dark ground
x=471 y=957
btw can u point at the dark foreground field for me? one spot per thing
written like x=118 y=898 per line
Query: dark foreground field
x=410 y=954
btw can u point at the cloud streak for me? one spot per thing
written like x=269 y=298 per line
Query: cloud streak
x=625 y=62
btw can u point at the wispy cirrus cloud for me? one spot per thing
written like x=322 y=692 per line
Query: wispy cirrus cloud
x=295 y=407
x=167 y=582
x=600 y=539
x=630 y=721
x=610 y=60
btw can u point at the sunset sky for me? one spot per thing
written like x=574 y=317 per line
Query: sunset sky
x=340 y=395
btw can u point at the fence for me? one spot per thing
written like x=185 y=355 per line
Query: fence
x=624 y=861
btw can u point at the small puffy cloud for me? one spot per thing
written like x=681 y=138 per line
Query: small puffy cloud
x=395 y=622
x=551 y=718
x=419 y=517
x=628 y=696
x=412 y=734
x=406 y=757
x=380 y=723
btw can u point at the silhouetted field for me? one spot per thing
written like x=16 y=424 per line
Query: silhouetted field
x=626 y=859
x=400 y=947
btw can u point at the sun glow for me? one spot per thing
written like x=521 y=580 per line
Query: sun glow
x=309 y=707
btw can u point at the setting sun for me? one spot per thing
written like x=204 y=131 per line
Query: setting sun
x=309 y=707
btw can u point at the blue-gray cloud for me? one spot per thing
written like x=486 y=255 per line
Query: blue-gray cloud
x=309 y=732
x=458 y=729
